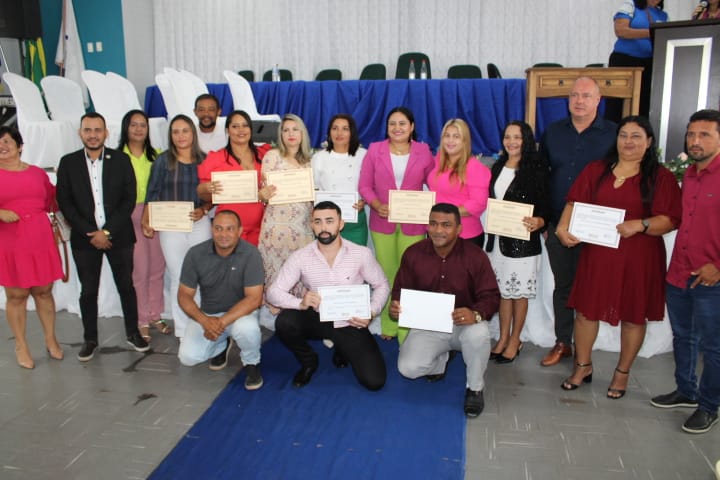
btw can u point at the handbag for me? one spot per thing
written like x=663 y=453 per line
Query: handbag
x=61 y=232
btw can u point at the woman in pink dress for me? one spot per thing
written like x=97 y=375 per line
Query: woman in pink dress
x=29 y=258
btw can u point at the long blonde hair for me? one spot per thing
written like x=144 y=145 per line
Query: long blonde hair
x=458 y=170
x=304 y=153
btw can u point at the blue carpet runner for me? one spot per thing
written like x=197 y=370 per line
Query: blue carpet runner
x=330 y=429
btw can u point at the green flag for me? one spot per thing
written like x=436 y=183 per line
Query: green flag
x=35 y=68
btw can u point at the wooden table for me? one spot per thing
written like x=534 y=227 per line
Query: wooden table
x=616 y=82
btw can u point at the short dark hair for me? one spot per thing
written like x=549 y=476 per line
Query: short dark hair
x=93 y=115
x=208 y=96
x=328 y=205
x=14 y=134
x=228 y=212
x=447 y=208
x=707 y=115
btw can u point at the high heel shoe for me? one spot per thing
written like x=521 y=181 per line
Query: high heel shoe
x=616 y=393
x=567 y=385
x=58 y=355
x=502 y=359
x=24 y=359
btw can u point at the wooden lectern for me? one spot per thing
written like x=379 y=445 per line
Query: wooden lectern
x=617 y=82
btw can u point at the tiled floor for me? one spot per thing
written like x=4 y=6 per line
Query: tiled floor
x=117 y=416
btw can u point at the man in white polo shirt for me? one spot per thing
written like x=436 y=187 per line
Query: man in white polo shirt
x=330 y=261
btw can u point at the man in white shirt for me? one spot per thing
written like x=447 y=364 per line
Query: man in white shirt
x=330 y=261
x=211 y=136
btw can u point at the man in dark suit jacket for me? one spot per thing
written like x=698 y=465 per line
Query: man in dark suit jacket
x=96 y=193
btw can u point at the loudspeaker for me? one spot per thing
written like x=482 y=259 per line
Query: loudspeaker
x=20 y=19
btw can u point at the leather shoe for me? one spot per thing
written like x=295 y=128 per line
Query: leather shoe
x=559 y=351
x=303 y=376
x=338 y=360
x=474 y=403
x=432 y=378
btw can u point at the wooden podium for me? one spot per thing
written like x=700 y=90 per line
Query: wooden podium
x=617 y=82
x=686 y=78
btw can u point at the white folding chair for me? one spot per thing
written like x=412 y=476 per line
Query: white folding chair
x=172 y=106
x=45 y=140
x=107 y=102
x=186 y=90
x=243 y=98
x=64 y=99
x=125 y=90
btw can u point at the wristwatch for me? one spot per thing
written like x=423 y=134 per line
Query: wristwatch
x=107 y=234
x=646 y=224
x=478 y=317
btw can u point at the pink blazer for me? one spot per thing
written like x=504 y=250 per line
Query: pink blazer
x=377 y=178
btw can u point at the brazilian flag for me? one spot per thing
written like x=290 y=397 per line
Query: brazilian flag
x=35 y=67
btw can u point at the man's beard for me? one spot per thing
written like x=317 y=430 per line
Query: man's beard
x=326 y=240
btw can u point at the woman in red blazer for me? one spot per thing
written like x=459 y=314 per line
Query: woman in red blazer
x=397 y=163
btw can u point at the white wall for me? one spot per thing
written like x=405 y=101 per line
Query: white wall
x=208 y=36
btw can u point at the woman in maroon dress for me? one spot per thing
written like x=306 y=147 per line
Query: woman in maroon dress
x=623 y=285
x=29 y=258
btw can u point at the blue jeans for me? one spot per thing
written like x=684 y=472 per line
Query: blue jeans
x=195 y=348
x=695 y=320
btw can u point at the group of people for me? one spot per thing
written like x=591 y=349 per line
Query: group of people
x=261 y=262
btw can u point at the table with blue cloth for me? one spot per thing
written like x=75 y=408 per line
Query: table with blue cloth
x=486 y=104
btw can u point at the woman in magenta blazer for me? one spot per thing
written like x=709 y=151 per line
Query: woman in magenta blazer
x=397 y=163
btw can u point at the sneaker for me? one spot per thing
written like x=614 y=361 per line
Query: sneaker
x=253 y=378
x=137 y=342
x=673 y=399
x=87 y=352
x=220 y=361
x=700 y=421
x=474 y=403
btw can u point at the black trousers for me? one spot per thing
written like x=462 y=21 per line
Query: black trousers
x=613 y=106
x=89 y=264
x=563 y=262
x=295 y=327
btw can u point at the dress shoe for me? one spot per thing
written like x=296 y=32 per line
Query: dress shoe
x=673 y=399
x=24 y=359
x=303 y=376
x=474 y=403
x=502 y=359
x=137 y=342
x=439 y=376
x=700 y=421
x=567 y=385
x=338 y=360
x=559 y=351
x=87 y=351
x=220 y=361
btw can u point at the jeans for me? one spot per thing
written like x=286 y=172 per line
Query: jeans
x=693 y=316
x=195 y=348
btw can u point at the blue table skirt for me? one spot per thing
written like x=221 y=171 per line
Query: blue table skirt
x=487 y=105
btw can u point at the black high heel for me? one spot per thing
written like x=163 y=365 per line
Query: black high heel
x=567 y=385
x=502 y=359
x=620 y=393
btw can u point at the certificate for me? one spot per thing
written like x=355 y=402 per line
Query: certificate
x=238 y=186
x=596 y=224
x=344 y=200
x=426 y=310
x=171 y=216
x=505 y=218
x=295 y=185
x=344 y=302
x=410 y=206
